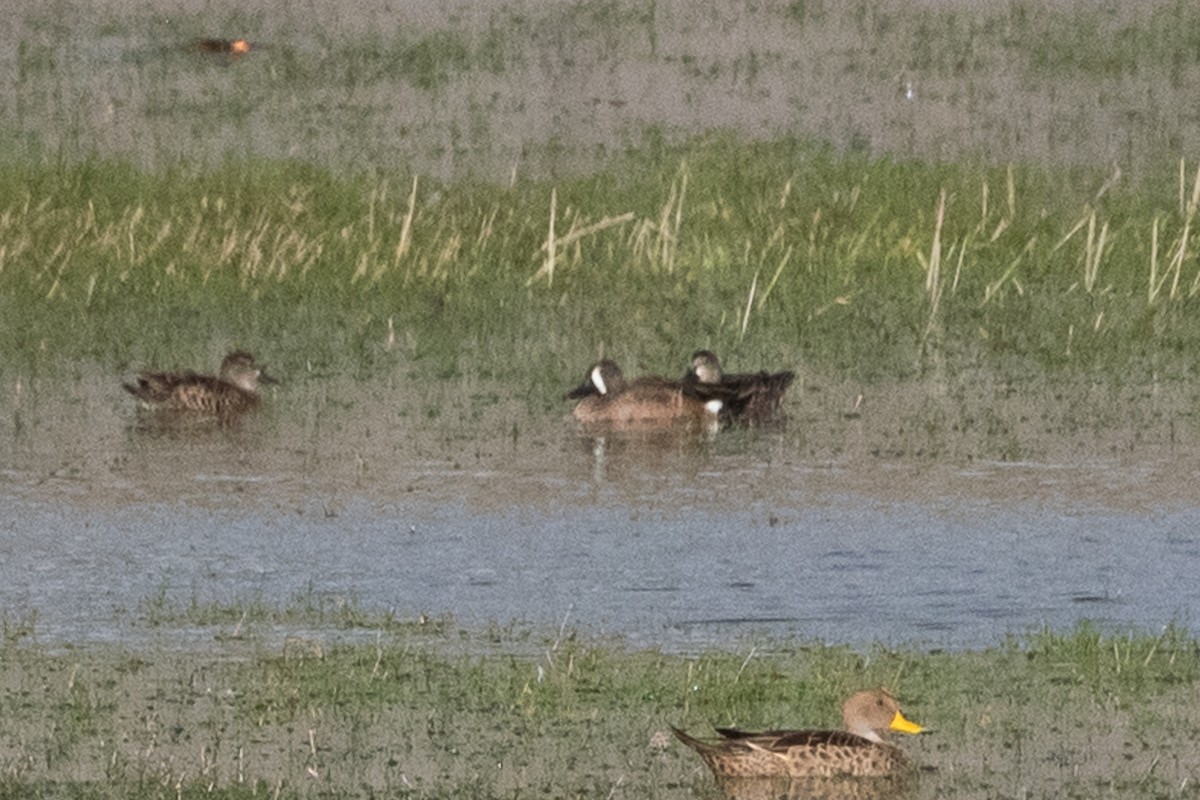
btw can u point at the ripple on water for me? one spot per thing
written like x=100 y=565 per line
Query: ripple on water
x=672 y=543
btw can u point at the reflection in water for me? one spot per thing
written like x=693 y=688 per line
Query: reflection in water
x=678 y=543
x=617 y=455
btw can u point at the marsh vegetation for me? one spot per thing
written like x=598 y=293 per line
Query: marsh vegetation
x=426 y=709
x=429 y=220
x=790 y=241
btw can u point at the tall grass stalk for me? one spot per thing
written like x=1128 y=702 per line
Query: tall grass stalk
x=933 y=265
x=1093 y=253
x=783 y=262
x=749 y=306
x=554 y=242
x=784 y=249
x=1180 y=246
x=551 y=242
x=671 y=240
x=658 y=240
x=405 y=243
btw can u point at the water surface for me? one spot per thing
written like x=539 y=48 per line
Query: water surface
x=673 y=542
x=510 y=88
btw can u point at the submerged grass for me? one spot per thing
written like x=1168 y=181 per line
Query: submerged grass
x=241 y=617
x=1076 y=713
x=483 y=86
x=770 y=253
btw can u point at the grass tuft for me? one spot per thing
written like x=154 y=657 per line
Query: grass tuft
x=779 y=253
x=491 y=713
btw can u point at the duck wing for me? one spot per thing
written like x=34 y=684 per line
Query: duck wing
x=161 y=387
x=783 y=740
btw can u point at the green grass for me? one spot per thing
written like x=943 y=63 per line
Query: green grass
x=147 y=218
x=1075 y=713
x=770 y=253
x=159 y=225
x=237 y=618
x=1110 y=43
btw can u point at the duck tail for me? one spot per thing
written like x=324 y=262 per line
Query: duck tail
x=138 y=389
x=691 y=741
x=780 y=381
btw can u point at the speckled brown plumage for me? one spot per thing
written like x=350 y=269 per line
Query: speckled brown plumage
x=187 y=394
x=858 y=751
x=842 y=787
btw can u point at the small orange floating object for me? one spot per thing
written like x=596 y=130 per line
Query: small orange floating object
x=229 y=47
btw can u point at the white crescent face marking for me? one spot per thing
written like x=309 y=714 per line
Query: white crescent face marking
x=598 y=381
x=713 y=407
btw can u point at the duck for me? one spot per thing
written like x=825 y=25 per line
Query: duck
x=605 y=397
x=224 y=397
x=750 y=398
x=859 y=750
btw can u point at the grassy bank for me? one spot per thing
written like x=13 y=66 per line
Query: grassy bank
x=158 y=206
x=779 y=253
x=419 y=710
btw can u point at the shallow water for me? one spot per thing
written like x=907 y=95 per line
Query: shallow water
x=835 y=529
x=557 y=88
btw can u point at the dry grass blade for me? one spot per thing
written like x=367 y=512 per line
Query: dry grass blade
x=669 y=258
x=749 y=304
x=596 y=227
x=783 y=262
x=1088 y=214
x=1152 y=290
x=551 y=242
x=554 y=242
x=993 y=288
x=1093 y=253
x=1179 y=248
x=405 y=242
x=933 y=267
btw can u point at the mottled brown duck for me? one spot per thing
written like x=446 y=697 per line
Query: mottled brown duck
x=188 y=395
x=858 y=750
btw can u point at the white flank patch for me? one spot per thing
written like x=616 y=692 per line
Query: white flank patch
x=598 y=381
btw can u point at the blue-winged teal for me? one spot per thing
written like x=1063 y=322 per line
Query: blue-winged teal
x=606 y=398
x=859 y=750
x=750 y=398
x=189 y=395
